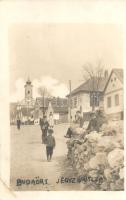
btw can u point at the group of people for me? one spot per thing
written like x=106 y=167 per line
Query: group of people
x=97 y=119
x=47 y=135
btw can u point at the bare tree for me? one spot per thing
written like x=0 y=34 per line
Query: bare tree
x=45 y=95
x=93 y=74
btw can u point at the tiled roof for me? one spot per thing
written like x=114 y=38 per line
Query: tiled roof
x=90 y=85
x=56 y=102
x=61 y=107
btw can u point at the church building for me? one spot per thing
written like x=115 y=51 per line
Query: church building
x=30 y=109
x=28 y=101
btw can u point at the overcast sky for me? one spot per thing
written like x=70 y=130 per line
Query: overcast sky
x=52 y=54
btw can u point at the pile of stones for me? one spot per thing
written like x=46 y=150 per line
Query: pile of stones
x=98 y=159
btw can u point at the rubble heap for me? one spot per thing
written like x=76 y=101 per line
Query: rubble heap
x=99 y=158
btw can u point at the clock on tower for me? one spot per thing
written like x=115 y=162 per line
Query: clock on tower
x=28 y=90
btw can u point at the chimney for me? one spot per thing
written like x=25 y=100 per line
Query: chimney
x=106 y=74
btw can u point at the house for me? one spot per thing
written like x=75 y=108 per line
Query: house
x=58 y=106
x=41 y=105
x=113 y=95
x=60 y=113
x=88 y=96
x=60 y=109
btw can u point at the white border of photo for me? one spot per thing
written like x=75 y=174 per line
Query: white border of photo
x=62 y=11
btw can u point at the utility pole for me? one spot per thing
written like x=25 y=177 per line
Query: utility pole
x=43 y=105
x=70 y=99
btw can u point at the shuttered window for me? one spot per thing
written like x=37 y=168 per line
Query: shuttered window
x=109 y=102
x=116 y=100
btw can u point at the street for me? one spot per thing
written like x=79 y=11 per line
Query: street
x=28 y=159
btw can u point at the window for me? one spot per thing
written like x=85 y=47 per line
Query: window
x=116 y=100
x=109 y=102
x=79 y=100
x=115 y=79
x=94 y=99
x=28 y=92
x=75 y=102
x=122 y=115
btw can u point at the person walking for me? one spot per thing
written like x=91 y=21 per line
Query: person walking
x=50 y=144
x=18 y=121
x=44 y=127
x=51 y=120
x=18 y=124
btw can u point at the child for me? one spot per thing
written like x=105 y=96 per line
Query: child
x=50 y=144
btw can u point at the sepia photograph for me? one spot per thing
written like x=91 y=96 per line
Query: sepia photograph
x=66 y=106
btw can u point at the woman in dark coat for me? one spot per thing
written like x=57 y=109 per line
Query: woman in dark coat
x=44 y=127
x=18 y=124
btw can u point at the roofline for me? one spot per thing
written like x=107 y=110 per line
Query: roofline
x=84 y=91
x=108 y=80
x=80 y=91
x=117 y=74
x=110 y=77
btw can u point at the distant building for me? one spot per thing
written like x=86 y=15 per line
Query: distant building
x=58 y=106
x=113 y=95
x=30 y=108
x=87 y=95
x=23 y=109
x=28 y=101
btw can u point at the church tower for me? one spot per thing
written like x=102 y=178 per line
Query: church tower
x=28 y=91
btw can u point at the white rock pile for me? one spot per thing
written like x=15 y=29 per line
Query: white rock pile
x=98 y=158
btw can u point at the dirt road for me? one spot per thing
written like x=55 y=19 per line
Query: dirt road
x=28 y=160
